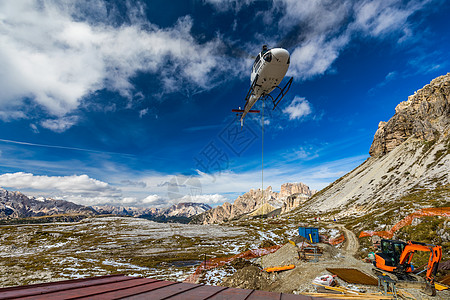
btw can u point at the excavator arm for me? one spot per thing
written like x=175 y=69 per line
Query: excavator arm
x=433 y=261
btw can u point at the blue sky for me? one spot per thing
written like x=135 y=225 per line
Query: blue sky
x=129 y=102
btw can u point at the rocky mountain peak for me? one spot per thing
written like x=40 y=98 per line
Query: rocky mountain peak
x=252 y=203
x=424 y=115
x=289 y=188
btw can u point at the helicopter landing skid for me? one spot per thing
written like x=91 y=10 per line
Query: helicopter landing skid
x=281 y=94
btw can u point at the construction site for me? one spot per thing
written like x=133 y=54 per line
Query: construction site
x=319 y=264
x=290 y=254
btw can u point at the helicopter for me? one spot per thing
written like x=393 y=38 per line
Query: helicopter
x=268 y=71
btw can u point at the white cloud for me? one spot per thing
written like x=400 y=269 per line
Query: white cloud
x=211 y=199
x=55 y=54
x=34 y=128
x=60 y=124
x=84 y=190
x=234 y=184
x=143 y=112
x=318 y=30
x=77 y=188
x=55 y=58
x=213 y=189
x=227 y=185
x=378 y=18
x=387 y=79
x=299 y=107
x=301 y=153
x=8 y=115
x=152 y=200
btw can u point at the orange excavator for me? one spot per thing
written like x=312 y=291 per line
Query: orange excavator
x=396 y=256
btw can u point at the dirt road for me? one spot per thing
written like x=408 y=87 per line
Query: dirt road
x=351 y=241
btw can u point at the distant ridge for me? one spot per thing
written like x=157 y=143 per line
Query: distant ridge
x=15 y=205
x=180 y=213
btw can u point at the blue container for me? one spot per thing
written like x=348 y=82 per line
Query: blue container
x=307 y=231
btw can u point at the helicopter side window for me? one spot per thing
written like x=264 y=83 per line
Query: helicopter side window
x=256 y=62
x=268 y=57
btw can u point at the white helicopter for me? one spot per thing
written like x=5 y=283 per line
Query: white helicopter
x=268 y=71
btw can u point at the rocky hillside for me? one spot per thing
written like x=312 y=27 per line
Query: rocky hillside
x=290 y=196
x=17 y=205
x=409 y=163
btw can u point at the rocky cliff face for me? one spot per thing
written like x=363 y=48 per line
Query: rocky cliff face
x=289 y=189
x=294 y=201
x=410 y=153
x=424 y=116
x=252 y=200
x=17 y=205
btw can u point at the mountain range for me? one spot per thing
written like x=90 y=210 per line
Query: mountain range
x=181 y=212
x=18 y=205
x=15 y=205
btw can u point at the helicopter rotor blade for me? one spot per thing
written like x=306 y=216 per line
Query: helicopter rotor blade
x=295 y=36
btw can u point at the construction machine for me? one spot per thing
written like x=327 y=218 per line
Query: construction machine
x=395 y=258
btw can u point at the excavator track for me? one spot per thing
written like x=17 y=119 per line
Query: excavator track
x=408 y=281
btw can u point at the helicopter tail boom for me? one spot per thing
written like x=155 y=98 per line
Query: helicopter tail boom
x=242 y=111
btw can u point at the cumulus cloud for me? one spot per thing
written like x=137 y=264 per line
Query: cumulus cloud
x=316 y=31
x=85 y=190
x=55 y=56
x=299 y=107
x=329 y=26
x=76 y=188
x=153 y=201
x=211 y=199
